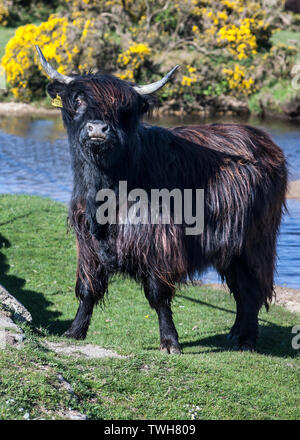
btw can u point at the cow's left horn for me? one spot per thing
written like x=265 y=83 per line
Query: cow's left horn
x=50 y=71
x=153 y=87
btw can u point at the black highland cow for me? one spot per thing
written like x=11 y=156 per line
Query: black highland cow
x=292 y=5
x=244 y=177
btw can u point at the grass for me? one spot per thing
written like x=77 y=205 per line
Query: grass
x=285 y=37
x=5 y=34
x=211 y=380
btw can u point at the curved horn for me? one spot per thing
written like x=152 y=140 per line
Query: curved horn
x=153 y=87
x=50 y=71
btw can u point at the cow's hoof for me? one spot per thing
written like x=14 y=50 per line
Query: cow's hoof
x=175 y=350
x=246 y=347
x=234 y=334
x=233 y=337
x=73 y=335
x=170 y=348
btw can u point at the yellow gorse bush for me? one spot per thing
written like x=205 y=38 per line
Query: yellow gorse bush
x=68 y=44
x=133 y=59
x=20 y=60
x=242 y=43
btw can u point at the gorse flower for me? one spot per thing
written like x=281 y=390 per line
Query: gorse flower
x=188 y=81
x=240 y=41
x=133 y=59
x=237 y=80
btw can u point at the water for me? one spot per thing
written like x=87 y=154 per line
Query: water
x=288 y=250
x=34 y=159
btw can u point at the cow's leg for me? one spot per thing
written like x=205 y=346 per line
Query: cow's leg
x=80 y=325
x=160 y=296
x=231 y=280
x=249 y=326
x=91 y=283
x=248 y=295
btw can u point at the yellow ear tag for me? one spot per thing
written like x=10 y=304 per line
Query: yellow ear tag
x=57 y=102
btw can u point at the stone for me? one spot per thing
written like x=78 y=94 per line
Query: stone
x=10 y=333
x=10 y=308
x=9 y=302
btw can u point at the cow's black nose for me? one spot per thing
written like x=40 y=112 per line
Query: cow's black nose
x=97 y=130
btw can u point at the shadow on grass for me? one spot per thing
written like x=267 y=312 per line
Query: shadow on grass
x=272 y=340
x=11 y=221
x=34 y=301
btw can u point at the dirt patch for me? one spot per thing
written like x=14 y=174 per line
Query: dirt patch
x=294 y=190
x=288 y=298
x=88 y=350
x=285 y=296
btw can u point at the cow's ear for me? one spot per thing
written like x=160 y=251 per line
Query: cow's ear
x=55 y=88
x=149 y=102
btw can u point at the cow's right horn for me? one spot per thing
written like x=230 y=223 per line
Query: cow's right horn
x=154 y=87
x=50 y=71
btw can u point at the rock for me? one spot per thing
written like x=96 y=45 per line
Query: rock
x=71 y=415
x=75 y=415
x=67 y=386
x=10 y=308
x=7 y=324
x=10 y=333
x=10 y=303
x=292 y=108
x=230 y=103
